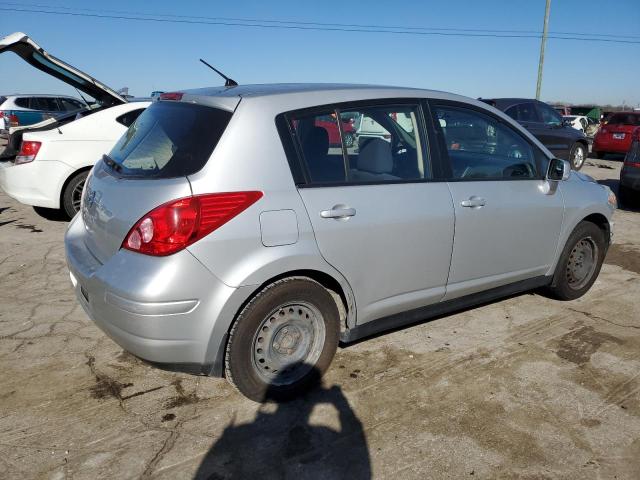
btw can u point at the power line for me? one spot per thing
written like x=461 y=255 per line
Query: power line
x=321 y=24
x=316 y=28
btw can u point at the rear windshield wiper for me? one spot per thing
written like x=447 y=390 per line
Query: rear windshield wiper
x=111 y=163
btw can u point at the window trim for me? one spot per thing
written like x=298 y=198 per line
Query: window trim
x=295 y=157
x=445 y=152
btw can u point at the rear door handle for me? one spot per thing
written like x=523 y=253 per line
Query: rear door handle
x=474 y=202
x=338 y=212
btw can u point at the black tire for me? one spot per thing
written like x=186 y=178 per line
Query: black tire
x=72 y=194
x=241 y=368
x=563 y=285
x=578 y=155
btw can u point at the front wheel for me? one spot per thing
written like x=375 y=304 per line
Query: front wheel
x=578 y=155
x=283 y=340
x=580 y=262
x=72 y=194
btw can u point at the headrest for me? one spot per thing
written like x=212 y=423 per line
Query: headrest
x=317 y=142
x=375 y=156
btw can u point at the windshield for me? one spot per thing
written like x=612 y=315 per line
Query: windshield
x=625 y=119
x=169 y=139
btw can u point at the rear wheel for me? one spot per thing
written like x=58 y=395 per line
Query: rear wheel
x=72 y=194
x=578 y=155
x=283 y=340
x=580 y=262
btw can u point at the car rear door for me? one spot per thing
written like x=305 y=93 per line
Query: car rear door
x=378 y=216
x=507 y=227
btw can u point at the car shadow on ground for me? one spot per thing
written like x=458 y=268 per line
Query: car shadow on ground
x=283 y=442
x=52 y=214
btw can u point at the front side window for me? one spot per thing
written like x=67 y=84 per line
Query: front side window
x=549 y=116
x=482 y=148
x=368 y=145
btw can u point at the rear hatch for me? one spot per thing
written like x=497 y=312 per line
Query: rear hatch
x=147 y=168
x=23 y=46
x=621 y=125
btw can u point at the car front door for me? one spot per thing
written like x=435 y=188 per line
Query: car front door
x=378 y=216
x=507 y=224
x=557 y=137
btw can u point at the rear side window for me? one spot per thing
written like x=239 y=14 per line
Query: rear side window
x=169 y=139
x=482 y=148
x=22 y=102
x=128 y=118
x=360 y=145
x=70 y=105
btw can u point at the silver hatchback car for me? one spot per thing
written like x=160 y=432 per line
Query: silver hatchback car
x=233 y=232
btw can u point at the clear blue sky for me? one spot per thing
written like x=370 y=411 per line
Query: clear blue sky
x=146 y=56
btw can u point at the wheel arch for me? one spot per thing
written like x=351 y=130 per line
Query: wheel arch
x=68 y=179
x=339 y=290
x=601 y=221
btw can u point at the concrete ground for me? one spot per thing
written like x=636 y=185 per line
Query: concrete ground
x=526 y=388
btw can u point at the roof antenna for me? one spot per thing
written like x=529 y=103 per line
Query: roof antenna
x=228 y=82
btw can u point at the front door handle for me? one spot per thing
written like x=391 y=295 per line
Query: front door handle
x=474 y=202
x=338 y=212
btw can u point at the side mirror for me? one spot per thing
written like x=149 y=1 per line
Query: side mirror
x=558 y=170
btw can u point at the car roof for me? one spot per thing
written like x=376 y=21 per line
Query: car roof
x=274 y=89
x=49 y=95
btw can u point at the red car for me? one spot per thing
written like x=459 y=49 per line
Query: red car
x=615 y=136
x=329 y=124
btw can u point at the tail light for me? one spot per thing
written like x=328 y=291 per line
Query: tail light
x=13 y=120
x=175 y=225
x=28 y=152
x=171 y=96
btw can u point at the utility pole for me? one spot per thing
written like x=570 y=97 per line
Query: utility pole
x=542 y=45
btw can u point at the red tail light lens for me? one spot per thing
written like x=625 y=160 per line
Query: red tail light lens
x=13 y=121
x=173 y=226
x=171 y=96
x=28 y=152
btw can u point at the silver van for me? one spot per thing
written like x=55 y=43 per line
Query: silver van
x=223 y=234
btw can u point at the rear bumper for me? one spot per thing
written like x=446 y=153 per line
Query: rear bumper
x=609 y=145
x=36 y=183
x=167 y=310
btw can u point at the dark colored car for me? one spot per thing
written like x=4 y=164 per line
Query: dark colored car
x=629 y=189
x=615 y=135
x=547 y=125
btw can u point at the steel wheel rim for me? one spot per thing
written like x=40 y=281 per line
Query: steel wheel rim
x=76 y=196
x=578 y=157
x=582 y=263
x=288 y=343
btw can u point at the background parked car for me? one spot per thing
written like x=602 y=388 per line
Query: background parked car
x=29 y=109
x=51 y=165
x=616 y=134
x=629 y=189
x=546 y=125
x=45 y=164
x=579 y=122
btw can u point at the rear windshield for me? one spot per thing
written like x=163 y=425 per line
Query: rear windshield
x=169 y=139
x=625 y=119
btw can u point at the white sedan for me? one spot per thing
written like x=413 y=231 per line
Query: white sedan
x=46 y=164
x=579 y=122
x=51 y=165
